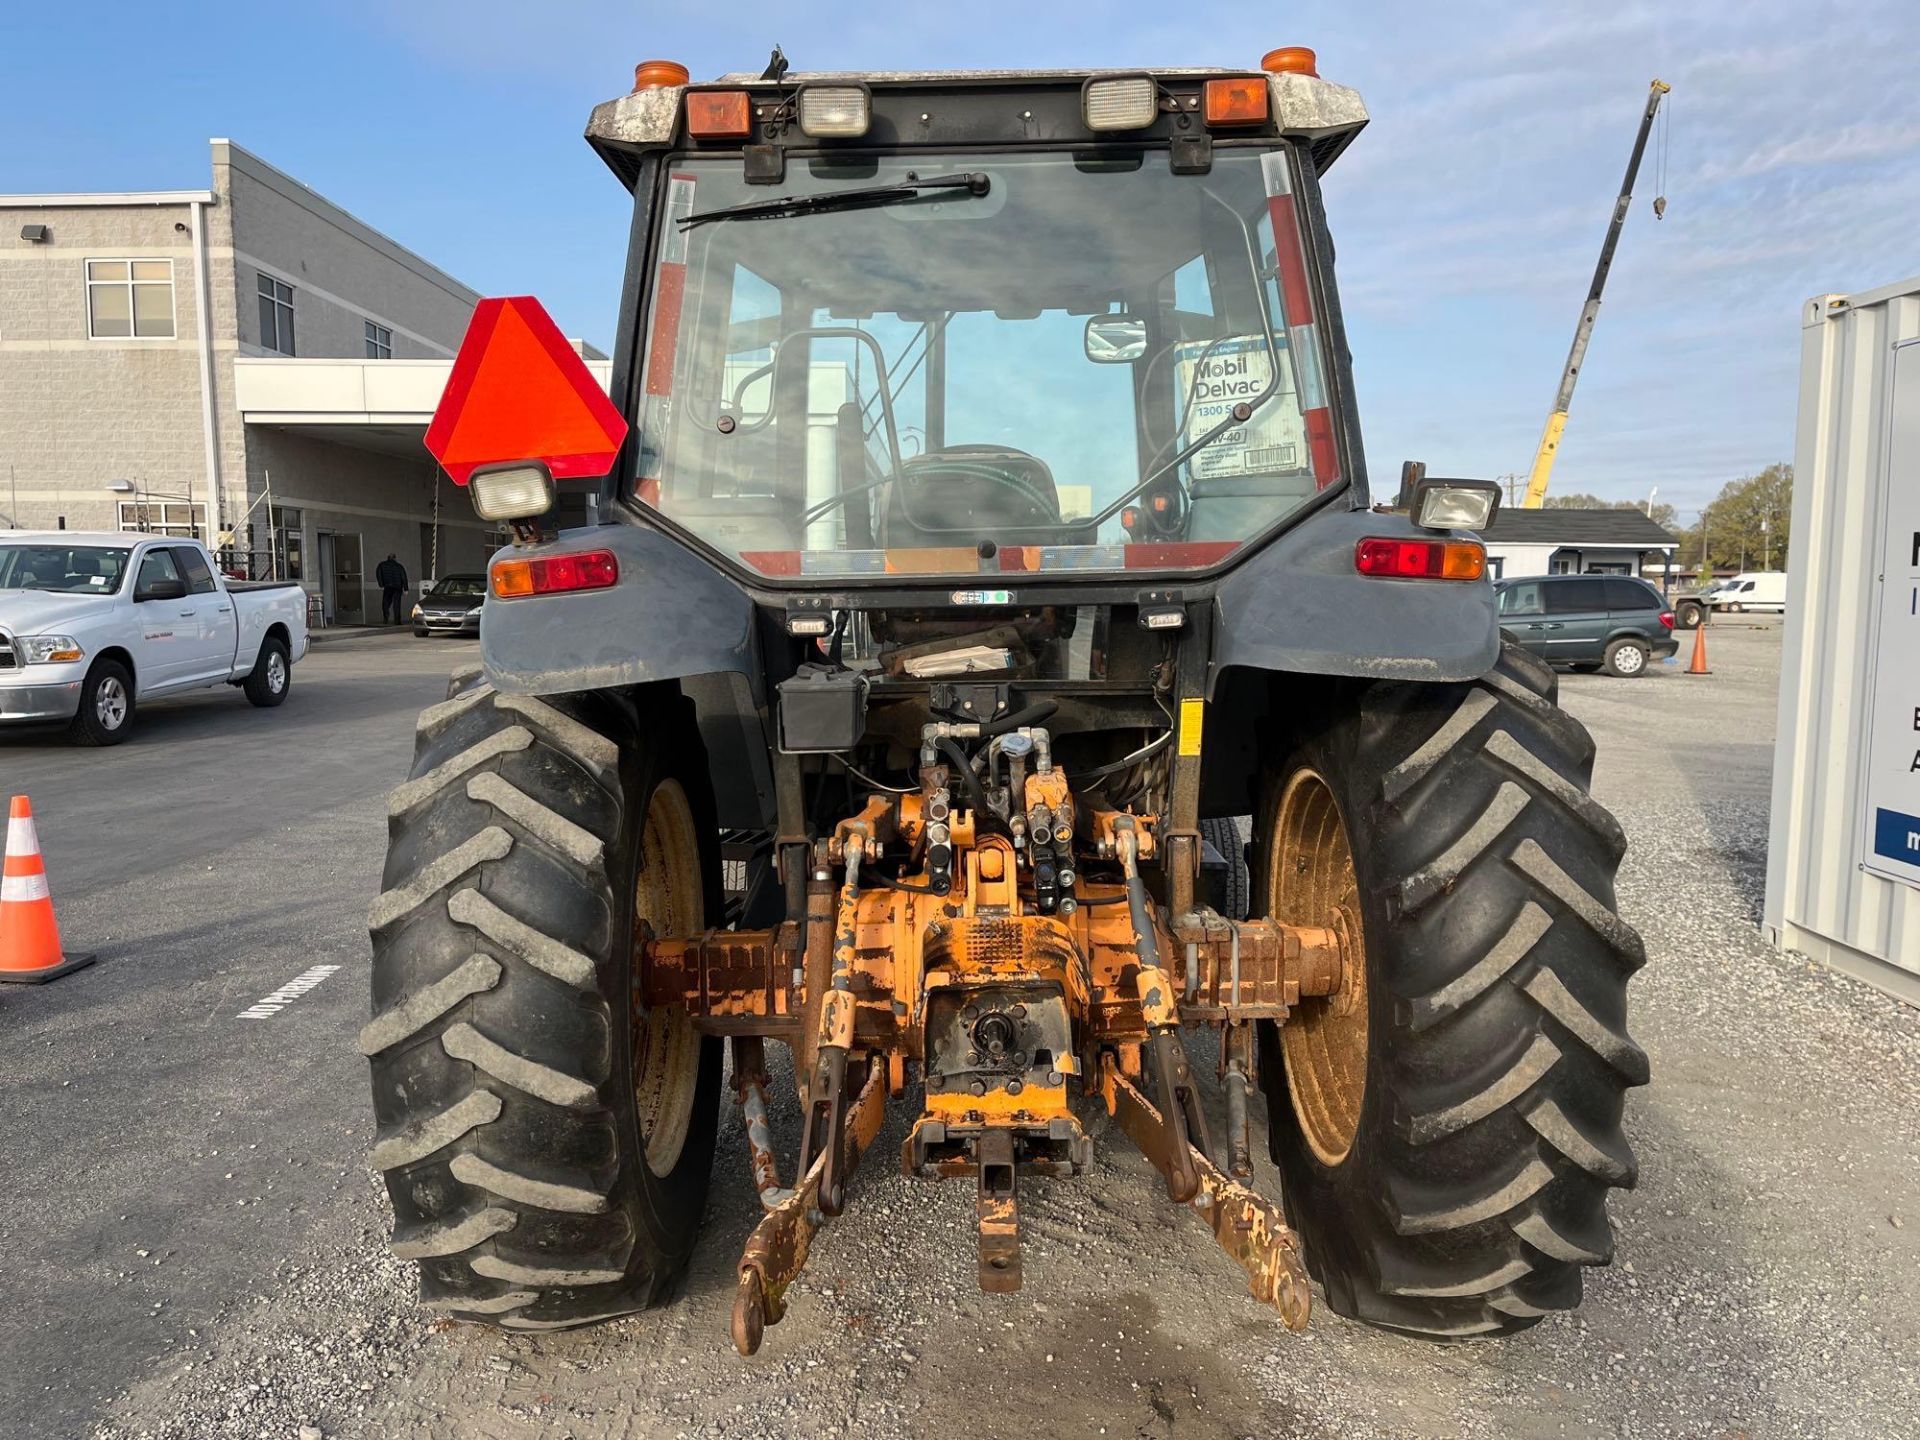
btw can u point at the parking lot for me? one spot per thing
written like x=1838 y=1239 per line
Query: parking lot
x=192 y=1244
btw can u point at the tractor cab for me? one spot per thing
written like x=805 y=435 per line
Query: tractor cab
x=933 y=325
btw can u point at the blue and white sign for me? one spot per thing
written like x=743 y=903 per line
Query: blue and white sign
x=1893 y=717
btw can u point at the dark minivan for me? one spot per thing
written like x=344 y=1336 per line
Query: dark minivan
x=1588 y=621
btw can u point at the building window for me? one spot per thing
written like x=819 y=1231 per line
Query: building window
x=130 y=298
x=276 y=315
x=154 y=517
x=379 y=342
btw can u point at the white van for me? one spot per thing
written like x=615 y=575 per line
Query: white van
x=1764 y=590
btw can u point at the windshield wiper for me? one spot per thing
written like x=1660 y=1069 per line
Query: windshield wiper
x=974 y=182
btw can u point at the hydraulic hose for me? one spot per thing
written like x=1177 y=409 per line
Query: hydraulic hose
x=1032 y=715
x=970 y=782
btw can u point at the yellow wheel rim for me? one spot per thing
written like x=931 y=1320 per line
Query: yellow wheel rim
x=668 y=900
x=1311 y=881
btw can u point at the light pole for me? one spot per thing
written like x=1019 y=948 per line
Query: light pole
x=1766 y=544
x=1650 y=494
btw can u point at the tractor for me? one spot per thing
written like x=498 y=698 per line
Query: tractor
x=960 y=643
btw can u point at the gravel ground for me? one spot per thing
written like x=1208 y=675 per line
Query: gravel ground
x=1768 y=1280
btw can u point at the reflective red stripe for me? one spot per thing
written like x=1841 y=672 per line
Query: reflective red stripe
x=1320 y=445
x=669 y=289
x=1296 y=297
x=773 y=562
x=1171 y=555
x=669 y=286
x=1178 y=555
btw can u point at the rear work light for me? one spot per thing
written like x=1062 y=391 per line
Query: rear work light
x=719 y=115
x=1455 y=504
x=512 y=492
x=554 y=574
x=1421 y=559
x=1124 y=102
x=1237 y=102
x=835 y=112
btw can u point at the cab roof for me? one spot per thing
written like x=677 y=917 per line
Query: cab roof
x=1302 y=107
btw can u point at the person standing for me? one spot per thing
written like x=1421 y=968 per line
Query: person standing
x=391 y=576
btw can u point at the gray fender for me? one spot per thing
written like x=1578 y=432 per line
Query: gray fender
x=671 y=615
x=1300 y=606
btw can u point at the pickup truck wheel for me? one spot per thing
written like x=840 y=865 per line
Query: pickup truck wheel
x=1448 y=1123
x=546 y=1139
x=105 y=716
x=1626 y=658
x=1687 y=615
x=267 y=682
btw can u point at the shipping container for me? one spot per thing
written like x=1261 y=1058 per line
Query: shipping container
x=1843 y=862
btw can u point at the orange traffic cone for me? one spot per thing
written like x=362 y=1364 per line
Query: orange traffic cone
x=29 y=940
x=1698 y=665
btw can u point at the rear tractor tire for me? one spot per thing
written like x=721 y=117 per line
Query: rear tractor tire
x=1448 y=1123
x=546 y=1140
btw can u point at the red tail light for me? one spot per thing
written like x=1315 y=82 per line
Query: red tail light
x=1421 y=559
x=1666 y=618
x=551 y=574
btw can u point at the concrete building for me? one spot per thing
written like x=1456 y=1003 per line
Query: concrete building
x=136 y=330
x=1578 y=542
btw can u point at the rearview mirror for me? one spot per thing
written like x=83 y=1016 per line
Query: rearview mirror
x=1116 y=339
x=161 y=590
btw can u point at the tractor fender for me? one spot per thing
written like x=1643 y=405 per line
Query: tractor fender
x=670 y=616
x=1300 y=606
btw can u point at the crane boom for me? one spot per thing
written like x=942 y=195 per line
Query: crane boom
x=1557 y=420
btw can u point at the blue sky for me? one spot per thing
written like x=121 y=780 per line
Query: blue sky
x=1467 y=217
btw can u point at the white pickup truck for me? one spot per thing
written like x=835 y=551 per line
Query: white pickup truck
x=92 y=624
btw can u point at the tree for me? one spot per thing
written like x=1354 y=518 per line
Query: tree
x=1663 y=514
x=1746 y=527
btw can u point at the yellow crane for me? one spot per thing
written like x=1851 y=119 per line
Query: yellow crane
x=1557 y=420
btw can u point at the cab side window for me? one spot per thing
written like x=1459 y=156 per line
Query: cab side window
x=198 y=574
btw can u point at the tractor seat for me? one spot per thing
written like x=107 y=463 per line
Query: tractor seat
x=962 y=492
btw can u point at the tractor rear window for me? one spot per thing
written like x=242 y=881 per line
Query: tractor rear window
x=956 y=364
